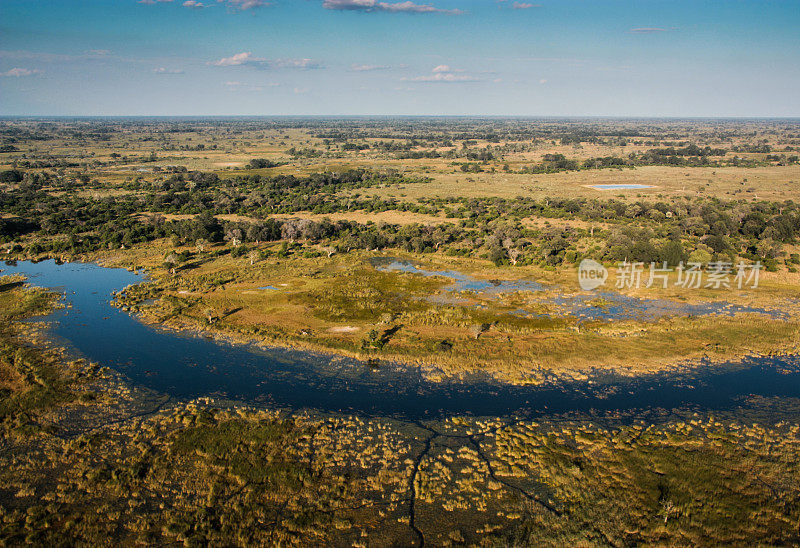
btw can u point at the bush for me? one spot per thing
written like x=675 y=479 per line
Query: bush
x=700 y=256
x=260 y=163
x=11 y=176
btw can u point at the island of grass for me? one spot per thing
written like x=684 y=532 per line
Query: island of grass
x=344 y=304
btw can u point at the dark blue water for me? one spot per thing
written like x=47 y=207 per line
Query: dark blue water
x=188 y=367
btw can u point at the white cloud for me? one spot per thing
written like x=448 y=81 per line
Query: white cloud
x=300 y=91
x=444 y=77
x=241 y=86
x=391 y=7
x=164 y=70
x=246 y=58
x=304 y=64
x=446 y=68
x=648 y=30
x=368 y=68
x=239 y=5
x=445 y=74
x=54 y=57
x=245 y=4
x=524 y=6
x=20 y=72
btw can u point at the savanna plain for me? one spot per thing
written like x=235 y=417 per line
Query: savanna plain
x=437 y=256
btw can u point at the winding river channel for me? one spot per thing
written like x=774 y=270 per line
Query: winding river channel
x=189 y=366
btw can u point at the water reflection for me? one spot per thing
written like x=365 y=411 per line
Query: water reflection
x=186 y=366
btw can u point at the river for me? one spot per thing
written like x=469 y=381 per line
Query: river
x=189 y=366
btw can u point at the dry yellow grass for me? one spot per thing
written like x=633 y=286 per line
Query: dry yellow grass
x=390 y=217
x=234 y=152
x=324 y=304
x=764 y=183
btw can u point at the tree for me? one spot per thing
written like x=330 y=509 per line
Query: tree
x=497 y=255
x=234 y=236
x=11 y=176
x=260 y=163
x=290 y=230
x=206 y=226
x=171 y=261
x=672 y=253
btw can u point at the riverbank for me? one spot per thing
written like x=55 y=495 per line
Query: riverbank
x=187 y=367
x=345 y=306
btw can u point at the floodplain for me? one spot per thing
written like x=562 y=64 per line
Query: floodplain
x=420 y=256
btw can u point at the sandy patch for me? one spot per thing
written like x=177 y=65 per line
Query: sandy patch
x=343 y=329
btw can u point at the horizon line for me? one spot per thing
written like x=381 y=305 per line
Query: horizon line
x=351 y=116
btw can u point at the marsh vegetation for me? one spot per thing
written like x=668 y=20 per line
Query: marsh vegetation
x=278 y=231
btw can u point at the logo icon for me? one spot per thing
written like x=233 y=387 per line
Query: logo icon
x=591 y=274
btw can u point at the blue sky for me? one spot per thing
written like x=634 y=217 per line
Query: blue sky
x=427 y=57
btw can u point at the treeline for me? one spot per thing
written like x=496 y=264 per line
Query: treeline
x=325 y=193
x=690 y=155
x=36 y=220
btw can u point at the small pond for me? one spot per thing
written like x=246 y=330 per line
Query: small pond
x=620 y=187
